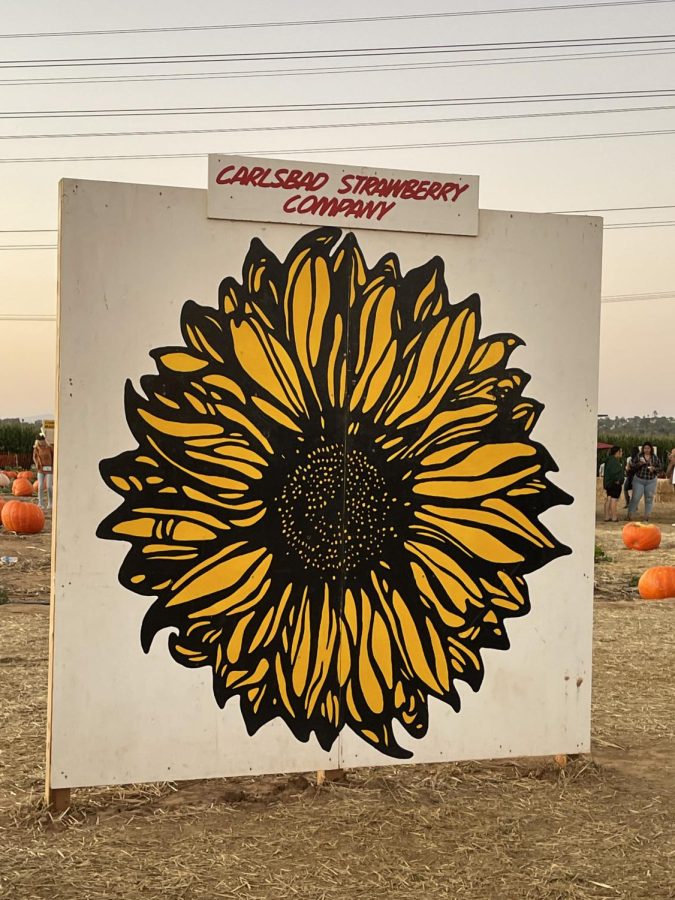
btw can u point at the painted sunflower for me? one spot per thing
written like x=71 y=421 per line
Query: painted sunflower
x=335 y=497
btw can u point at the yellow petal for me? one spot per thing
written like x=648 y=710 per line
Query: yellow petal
x=440 y=359
x=180 y=429
x=307 y=301
x=268 y=363
x=221 y=577
x=183 y=362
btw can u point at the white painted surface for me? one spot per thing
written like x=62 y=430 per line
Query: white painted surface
x=130 y=257
x=538 y=276
x=262 y=190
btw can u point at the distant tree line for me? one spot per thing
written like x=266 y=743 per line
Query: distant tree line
x=647 y=427
x=17 y=437
x=628 y=433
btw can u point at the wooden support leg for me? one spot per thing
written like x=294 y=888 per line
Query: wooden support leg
x=58 y=799
x=324 y=775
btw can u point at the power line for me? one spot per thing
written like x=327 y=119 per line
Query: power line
x=324 y=150
x=328 y=70
x=305 y=22
x=665 y=224
x=553 y=212
x=340 y=106
x=614 y=209
x=482 y=143
x=329 y=125
x=629 y=298
x=54 y=230
x=407 y=50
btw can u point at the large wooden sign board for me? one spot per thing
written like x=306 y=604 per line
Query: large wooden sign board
x=339 y=510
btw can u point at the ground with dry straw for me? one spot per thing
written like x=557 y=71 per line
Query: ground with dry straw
x=604 y=827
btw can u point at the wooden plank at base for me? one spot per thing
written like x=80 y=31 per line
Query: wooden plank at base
x=324 y=775
x=58 y=799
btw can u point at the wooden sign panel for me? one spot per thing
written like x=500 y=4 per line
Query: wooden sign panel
x=339 y=511
x=263 y=190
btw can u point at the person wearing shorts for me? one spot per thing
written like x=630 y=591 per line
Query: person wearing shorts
x=43 y=457
x=612 y=480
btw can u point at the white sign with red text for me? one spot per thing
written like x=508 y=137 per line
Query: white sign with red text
x=262 y=190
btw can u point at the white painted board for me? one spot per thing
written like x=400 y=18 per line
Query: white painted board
x=130 y=257
x=273 y=190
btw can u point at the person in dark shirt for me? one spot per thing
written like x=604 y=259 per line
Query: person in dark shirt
x=670 y=471
x=628 y=483
x=612 y=480
x=645 y=471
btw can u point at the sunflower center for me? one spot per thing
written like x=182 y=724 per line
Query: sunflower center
x=335 y=510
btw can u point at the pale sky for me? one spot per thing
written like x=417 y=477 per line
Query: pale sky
x=603 y=174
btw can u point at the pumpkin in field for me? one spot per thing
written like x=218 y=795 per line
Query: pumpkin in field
x=4 y=480
x=657 y=583
x=24 y=518
x=11 y=475
x=22 y=488
x=27 y=475
x=641 y=536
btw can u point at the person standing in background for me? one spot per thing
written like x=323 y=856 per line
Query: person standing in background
x=612 y=480
x=670 y=471
x=630 y=468
x=43 y=457
x=645 y=473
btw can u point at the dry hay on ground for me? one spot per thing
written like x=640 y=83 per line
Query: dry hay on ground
x=603 y=828
x=618 y=569
x=29 y=577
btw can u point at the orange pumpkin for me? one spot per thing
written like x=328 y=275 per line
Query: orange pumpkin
x=22 y=488
x=657 y=583
x=36 y=487
x=24 y=518
x=27 y=475
x=641 y=536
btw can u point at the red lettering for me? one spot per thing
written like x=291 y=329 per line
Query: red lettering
x=320 y=180
x=279 y=178
x=451 y=187
x=408 y=191
x=371 y=186
x=293 y=179
x=287 y=208
x=384 y=209
x=422 y=190
x=255 y=175
x=240 y=176
x=263 y=182
x=460 y=190
x=307 y=205
x=359 y=182
x=220 y=177
x=346 y=182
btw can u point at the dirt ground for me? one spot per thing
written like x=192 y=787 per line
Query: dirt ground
x=604 y=827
